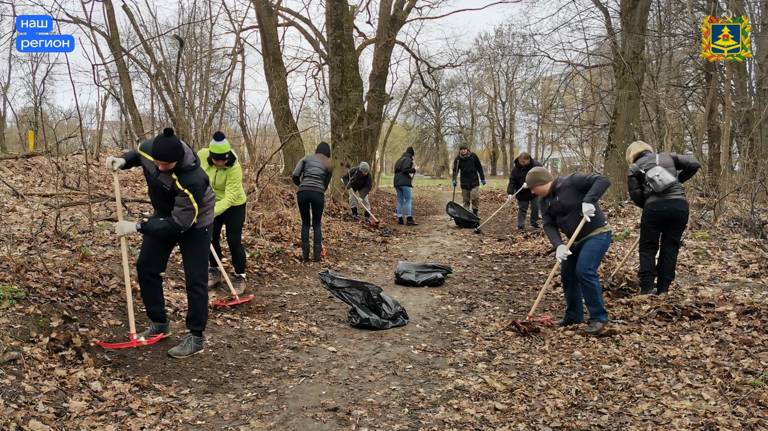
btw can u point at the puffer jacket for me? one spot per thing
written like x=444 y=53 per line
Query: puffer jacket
x=226 y=182
x=313 y=173
x=404 y=171
x=683 y=167
x=182 y=198
x=561 y=209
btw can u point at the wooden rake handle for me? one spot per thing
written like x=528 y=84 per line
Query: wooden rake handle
x=555 y=268
x=629 y=252
x=124 y=253
x=224 y=273
x=507 y=202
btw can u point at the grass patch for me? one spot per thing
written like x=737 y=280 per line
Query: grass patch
x=622 y=236
x=761 y=381
x=9 y=294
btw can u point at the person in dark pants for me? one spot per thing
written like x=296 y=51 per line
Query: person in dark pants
x=525 y=198
x=358 y=180
x=472 y=176
x=665 y=212
x=313 y=174
x=403 y=181
x=225 y=173
x=564 y=201
x=183 y=203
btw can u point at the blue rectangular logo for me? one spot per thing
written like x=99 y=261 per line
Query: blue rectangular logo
x=34 y=24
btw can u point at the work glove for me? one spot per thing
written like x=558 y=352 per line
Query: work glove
x=588 y=210
x=125 y=227
x=562 y=253
x=482 y=181
x=509 y=198
x=453 y=182
x=115 y=163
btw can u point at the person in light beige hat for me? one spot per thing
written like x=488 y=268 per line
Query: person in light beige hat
x=655 y=184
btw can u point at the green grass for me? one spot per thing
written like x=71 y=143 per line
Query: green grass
x=9 y=294
x=499 y=183
x=761 y=381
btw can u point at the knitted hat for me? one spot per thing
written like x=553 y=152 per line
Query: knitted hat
x=219 y=147
x=167 y=147
x=463 y=147
x=524 y=156
x=538 y=176
x=635 y=149
x=324 y=149
x=409 y=150
x=364 y=167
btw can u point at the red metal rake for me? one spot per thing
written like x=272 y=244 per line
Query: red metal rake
x=133 y=341
x=235 y=299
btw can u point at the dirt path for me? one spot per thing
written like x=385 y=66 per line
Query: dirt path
x=290 y=360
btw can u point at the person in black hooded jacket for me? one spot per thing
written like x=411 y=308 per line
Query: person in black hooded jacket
x=404 y=172
x=665 y=213
x=312 y=175
x=471 y=177
x=184 y=210
x=525 y=198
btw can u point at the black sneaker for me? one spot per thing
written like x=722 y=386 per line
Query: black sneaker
x=647 y=290
x=521 y=228
x=189 y=345
x=400 y=220
x=154 y=330
x=564 y=322
x=411 y=222
x=535 y=225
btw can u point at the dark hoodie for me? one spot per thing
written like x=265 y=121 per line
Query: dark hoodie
x=182 y=198
x=313 y=172
x=470 y=167
x=404 y=169
x=517 y=179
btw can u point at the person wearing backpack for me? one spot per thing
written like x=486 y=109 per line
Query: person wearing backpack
x=656 y=185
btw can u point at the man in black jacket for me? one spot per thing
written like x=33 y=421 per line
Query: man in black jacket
x=404 y=173
x=472 y=175
x=665 y=213
x=183 y=203
x=358 y=180
x=523 y=164
x=564 y=201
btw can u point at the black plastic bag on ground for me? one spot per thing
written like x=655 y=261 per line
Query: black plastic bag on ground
x=421 y=274
x=463 y=218
x=371 y=309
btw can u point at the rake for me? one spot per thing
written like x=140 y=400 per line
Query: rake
x=507 y=202
x=235 y=299
x=133 y=341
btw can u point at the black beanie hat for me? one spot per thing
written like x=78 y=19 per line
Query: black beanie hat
x=324 y=149
x=409 y=150
x=167 y=147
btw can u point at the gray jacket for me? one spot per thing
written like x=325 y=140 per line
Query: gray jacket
x=313 y=173
x=683 y=167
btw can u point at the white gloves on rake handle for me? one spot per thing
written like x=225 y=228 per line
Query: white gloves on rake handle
x=588 y=211
x=562 y=253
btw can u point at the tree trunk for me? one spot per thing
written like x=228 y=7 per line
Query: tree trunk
x=126 y=85
x=761 y=96
x=629 y=72
x=277 y=85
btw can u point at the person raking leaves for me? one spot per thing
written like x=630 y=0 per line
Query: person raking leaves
x=358 y=180
x=225 y=174
x=564 y=201
x=525 y=198
x=312 y=175
x=183 y=204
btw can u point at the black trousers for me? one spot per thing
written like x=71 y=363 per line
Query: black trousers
x=194 y=245
x=234 y=219
x=661 y=230
x=311 y=206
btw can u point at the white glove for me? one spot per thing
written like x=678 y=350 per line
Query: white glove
x=562 y=253
x=125 y=227
x=588 y=210
x=509 y=198
x=115 y=163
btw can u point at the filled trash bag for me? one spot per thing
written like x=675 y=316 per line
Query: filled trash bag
x=371 y=309
x=421 y=274
x=461 y=216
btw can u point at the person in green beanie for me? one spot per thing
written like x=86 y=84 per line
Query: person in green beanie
x=225 y=173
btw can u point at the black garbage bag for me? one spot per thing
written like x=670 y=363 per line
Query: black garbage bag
x=371 y=309
x=461 y=216
x=421 y=274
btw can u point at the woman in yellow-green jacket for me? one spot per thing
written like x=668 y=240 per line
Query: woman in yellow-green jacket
x=226 y=177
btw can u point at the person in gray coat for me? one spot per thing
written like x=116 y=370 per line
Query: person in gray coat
x=312 y=175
